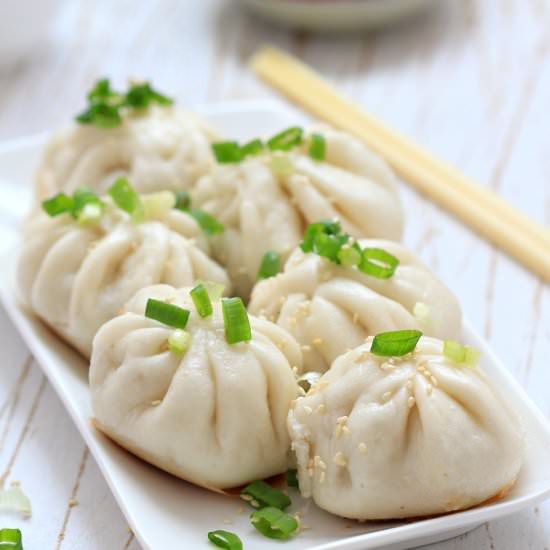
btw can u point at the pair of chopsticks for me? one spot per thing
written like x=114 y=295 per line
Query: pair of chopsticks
x=523 y=239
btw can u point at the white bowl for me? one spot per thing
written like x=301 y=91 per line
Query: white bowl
x=335 y=15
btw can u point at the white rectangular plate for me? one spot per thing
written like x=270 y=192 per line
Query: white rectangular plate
x=165 y=512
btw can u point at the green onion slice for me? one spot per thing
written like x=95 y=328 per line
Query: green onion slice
x=14 y=500
x=141 y=95
x=168 y=314
x=378 y=263
x=292 y=478
x=253 y=147
x=264 y=495
x=215 y=290
x=273 y=523
x=395 y=343
x=179 y=341
x=126 y=197
x=281 y=165
x=210 y=225
x=158 y=205
x=317 y=147
x=183 y=200
x=87 y=206
x=286 y=140
x=202 y=302
x=101 y=115
x=11 y=538
x=225 y=539
x=58 y=204
x=227 y=152
x=270 y=266
x=350 y=256
x=236 y=322
x=459 y=354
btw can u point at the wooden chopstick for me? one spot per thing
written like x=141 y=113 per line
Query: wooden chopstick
x=522 y=238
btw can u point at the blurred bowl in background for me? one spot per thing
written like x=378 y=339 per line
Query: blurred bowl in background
x=23 y=26
x=335 y=15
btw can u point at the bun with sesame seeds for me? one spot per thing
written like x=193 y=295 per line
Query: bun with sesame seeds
x=77 y=276
x=264 y=207
x=385 y=438
x=215 y=414
x=330 y=308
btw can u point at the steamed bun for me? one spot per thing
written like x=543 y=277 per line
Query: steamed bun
x=266 y=209
x=330 y=308
x=161 y=148
x=77 y=277
x=385 y=438
x=216 y=415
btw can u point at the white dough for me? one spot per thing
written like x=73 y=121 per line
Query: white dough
x=330 y=308
x=380 y=439
x=163 y=148
x=216 y=415
x=263 y=211
x=75 y=278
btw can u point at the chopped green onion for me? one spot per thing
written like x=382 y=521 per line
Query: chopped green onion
x=308 y=379
x=183 y=200
x=14 y=500
x=281 y=165
x=90 y=214
x=395 y=343
x=141 y=95
x=328 y=227
x=227 y=152
x=179 y=341
x=459 y=354
x=350 y=255
x=273 y=523
x=236 y=322
x=225 y=539
x=58 y=204
x=286 y=140
x=201 y=300
x=210 y=225
x=260 y=494
x=167 y=314
x=270 y=266
x=11 y=538
x=101 y=115
x=378 y=263
x=253 y=147
x=83 y=197
x=215 y=290
x=317 y=147
x=158 y=205
x=126 y=197
x=292 y=478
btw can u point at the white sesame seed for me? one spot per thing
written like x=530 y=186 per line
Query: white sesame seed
x=346 y=430
x=409 y=385
x=73 y=502
x=322 y=409
x=307 y=409
x=339 y=459
x=386 y=396
x=317 y=341
x=155 y=403
x=254 y=503
x=248 y=498
x=362 y=448
x=306 y=348
x=411 y=402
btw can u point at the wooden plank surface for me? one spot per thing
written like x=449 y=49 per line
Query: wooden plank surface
x=470 y=81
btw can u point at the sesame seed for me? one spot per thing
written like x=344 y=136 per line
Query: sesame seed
x=248 y=498
x=386 y=396
x=307 y=409
x=72 y=503
x=411 y=402
x=254 y=503
x=339 y=459
x=306 y=348
x=155 y=403
x=317 y=341
x=341 y=419
x=295 y=370
x=346 y=430
x=362 y=448
x=409 y=385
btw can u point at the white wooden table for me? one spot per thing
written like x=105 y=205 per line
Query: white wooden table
x=471 y=82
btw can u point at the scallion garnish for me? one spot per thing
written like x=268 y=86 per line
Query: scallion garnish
x=201 y=300
x=179 y=341
x=158 y=205
x=395 y=343
x=168 y=314
x=14 y=500
x=317 y=147
x=273 y=523
x=126 y=197
x=225 y=539
x=327 y=239
x=281 y=165
x=378 y=263
x=11 y=538
x=459 y=354
x=183 y=200
x=260 y=494
x=270 y=266
x=87 y=206
x=210 y=225
x=227 y=152
x=253 y=147
x=292 y=478
x=105 y=106
x=286 y=140
x=58 y=204
x=215 y=290
x=236 y=322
